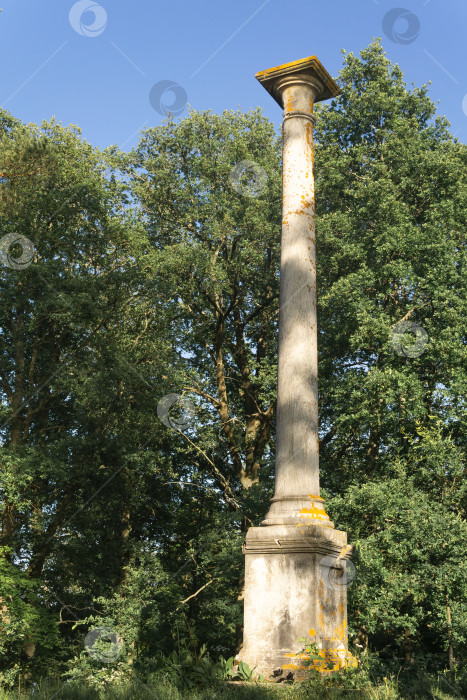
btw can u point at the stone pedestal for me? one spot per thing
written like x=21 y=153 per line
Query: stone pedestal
x=295 y=587
x=295 y=563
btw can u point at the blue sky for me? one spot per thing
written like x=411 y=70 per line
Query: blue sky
x=212 y=49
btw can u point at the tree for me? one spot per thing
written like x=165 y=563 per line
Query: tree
x=391 y=215
x=221 y=244
x=80 y=442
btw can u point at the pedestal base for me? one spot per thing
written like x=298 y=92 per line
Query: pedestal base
x=295 y=587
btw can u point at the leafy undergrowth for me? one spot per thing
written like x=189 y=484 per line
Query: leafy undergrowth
x=185 y=676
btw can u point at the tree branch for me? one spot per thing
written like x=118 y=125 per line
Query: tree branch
x=195 y=594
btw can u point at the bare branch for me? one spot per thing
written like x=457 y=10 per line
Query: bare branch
x=195 y=594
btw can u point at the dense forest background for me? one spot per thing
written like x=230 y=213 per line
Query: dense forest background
x=138 y=321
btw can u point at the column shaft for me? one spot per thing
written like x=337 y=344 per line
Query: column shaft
x=297 y=448
x=297 y=440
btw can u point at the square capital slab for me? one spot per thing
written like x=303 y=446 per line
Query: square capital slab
x=310 y=67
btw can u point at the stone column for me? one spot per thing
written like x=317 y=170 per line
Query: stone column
x=295 y=563
x=296 y=87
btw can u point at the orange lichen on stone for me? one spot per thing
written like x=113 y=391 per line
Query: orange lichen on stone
x=333 y=659
x=291 y=64
x=340 y=631
x=313 y=513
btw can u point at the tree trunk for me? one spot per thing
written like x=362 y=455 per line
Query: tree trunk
x=125 y=552
x=450 y=646
x=8 y=527
x=408 y=646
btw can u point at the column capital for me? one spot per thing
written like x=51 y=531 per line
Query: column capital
x=306 y=71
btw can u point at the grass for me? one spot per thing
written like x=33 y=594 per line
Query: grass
x=161 y=690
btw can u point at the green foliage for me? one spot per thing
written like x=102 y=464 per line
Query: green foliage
x=153 y=276
x=391 y=221
x=23 y=622
x=188 y=670
x=122 y=630
x=409 y=555
x=220 y=254
x=245 y=673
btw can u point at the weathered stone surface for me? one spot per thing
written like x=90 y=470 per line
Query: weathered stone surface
x=295 y=579
x=290 y=593
x=297 y=86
